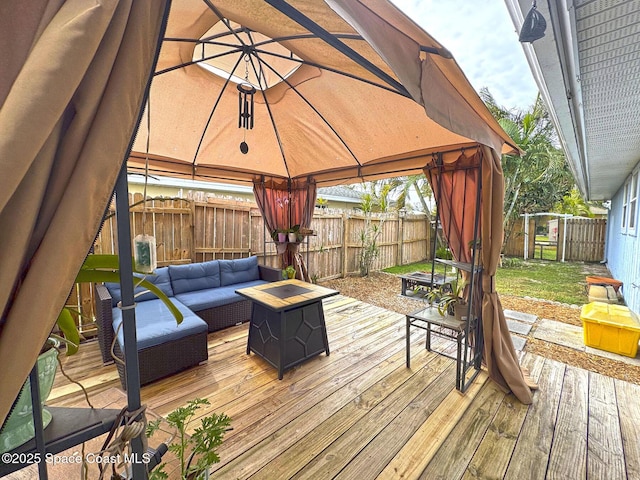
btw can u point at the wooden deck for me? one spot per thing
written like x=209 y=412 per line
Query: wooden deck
x=361 y=414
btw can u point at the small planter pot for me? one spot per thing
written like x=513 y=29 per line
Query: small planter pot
x=18 y=428
x=461 y=310
x=293 y=237
x=282 y=237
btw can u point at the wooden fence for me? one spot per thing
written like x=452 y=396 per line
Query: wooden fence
x=585 y=239
x=188 y=231
x=514 y=247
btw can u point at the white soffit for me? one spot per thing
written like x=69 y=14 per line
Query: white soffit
x=608 y=34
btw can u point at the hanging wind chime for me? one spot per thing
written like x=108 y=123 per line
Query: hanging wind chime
x=245 y=105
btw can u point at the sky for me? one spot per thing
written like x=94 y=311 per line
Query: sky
x=483 y=40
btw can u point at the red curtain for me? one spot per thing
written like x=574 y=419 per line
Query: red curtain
x=455 y=187
x=284 y=208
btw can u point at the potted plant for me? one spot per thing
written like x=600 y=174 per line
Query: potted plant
x=451 y=299
x=18 y=427
x=196 y=452
x=294 y=234
x=279 y=235
x=289 y=272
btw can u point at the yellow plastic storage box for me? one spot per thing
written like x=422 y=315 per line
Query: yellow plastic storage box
x=613 y=328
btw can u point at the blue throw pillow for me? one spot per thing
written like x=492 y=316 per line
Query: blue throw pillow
x=194 y=276
x=239 y=271
x=160 y=278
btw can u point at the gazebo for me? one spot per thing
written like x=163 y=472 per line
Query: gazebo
x=283 y=95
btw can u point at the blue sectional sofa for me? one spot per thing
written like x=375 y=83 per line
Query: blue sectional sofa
x=203 y=292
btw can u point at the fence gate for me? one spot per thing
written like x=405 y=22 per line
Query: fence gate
x=585 y=239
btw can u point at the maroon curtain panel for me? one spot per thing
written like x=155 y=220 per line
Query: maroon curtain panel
x=283 y=208
x=274 y=206
x=455 y=188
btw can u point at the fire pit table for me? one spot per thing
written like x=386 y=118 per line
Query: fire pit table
x=287 y=323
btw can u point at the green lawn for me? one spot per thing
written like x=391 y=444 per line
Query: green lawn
x=561 y=282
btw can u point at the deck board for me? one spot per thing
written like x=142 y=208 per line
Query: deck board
x=453 y=457
x=333 y=404
x=420 y=449
x=605 y=458
x=628 y=396
x=360 y=413
x=570 y=438
x=375 y=456
x=359 y=403
x=531 y=454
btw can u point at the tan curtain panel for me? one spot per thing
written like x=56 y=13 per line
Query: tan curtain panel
x=72 y=80
x=499 y=353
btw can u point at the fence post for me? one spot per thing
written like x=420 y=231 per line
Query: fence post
x=345 y=237
x=399 y=256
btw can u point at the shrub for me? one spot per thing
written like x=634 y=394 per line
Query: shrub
x=512 y=262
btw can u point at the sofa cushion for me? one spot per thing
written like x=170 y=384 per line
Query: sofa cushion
x=214 y=297
x=156 y=325
x=194 y=276
x=238 y=271
x=160 y=278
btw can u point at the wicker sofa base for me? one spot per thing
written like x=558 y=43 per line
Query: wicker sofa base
x=226 y=316
x=166 y=359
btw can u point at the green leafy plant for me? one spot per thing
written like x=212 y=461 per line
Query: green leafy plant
x=432 y=296
x=289 y=272
x=295 y=229
x=447 y=296
x=96 y=269
x=196 y=452
x=444 y=253
x=274 y=233
x=368 y=236
x=512 y=262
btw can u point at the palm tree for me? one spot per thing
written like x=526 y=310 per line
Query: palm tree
x=574 y=204
x=537 y=180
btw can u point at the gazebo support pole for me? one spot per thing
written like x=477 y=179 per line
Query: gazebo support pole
x=264 y=223
x=139 y=469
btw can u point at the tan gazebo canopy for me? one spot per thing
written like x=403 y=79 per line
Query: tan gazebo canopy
x=341 y=93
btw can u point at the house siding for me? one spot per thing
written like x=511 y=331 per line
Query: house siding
x=623 y=252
